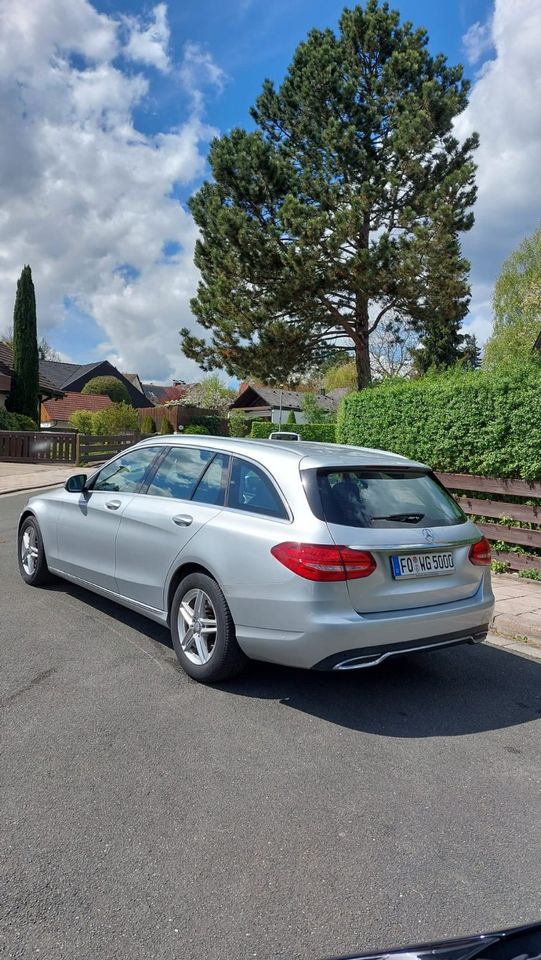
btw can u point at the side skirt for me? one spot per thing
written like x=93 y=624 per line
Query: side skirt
x=160 y=616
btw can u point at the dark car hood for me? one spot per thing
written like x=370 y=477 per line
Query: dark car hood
x=517 y=943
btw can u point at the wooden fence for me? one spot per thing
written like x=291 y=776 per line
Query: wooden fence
x=96 y=449
x=44 y=447
x=501 y=510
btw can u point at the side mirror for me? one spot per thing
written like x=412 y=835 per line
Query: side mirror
x=76 y=484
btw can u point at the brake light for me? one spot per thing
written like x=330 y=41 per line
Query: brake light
x=481 y=552
x=316 y=561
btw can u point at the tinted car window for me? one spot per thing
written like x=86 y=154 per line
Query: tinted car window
x=385 y=498
x=213 y=484
x=179 y=472
x=126 y=473
x=251 y=489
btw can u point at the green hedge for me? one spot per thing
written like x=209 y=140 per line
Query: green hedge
x=320 y=432
x=16 y=421
x=462 y=422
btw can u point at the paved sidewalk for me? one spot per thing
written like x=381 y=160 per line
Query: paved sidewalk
x=518 y=609
x=15 y=477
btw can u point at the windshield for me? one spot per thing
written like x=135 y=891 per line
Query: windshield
x=386 y=498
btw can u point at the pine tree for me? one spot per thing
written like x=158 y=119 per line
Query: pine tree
x=315 y=225
x=24 y=396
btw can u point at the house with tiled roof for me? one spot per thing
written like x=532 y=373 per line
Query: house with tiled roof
x=160 y=393
x=271 y=403
x=72 y=377
x=46 y=387
x=56 y=412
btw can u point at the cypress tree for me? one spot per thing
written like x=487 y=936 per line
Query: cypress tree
x=24 y=394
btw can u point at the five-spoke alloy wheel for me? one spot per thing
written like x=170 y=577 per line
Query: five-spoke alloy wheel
x=32 y=561
x=203 y=631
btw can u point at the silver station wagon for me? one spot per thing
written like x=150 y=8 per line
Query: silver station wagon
x=312 y=555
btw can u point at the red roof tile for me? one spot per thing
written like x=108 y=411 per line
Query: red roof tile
x=70 y=403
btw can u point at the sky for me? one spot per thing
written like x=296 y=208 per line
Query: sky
x=107 y=109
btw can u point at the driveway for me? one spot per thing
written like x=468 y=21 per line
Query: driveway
x=287 y=814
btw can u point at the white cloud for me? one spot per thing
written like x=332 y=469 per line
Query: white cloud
x=504 y=109
x=477 y=41
x=83 y=192
x=148 y=43
x=198 y=72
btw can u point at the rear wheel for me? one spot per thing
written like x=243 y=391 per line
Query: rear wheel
x=32 y=560
x=203 y=631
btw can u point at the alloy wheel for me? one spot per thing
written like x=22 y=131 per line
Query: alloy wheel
x=197 y=626
x=29 y=550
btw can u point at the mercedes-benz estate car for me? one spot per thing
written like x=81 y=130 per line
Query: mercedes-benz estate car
x=311 y=555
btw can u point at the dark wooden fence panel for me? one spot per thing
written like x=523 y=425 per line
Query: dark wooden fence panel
x=495 y=508
x=23 y=446
x=514 y=488
x=95 y=449
x=502 y=510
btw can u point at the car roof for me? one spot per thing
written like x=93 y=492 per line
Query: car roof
x=307 y=453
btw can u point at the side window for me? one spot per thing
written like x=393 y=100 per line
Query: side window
x=213 y=484
x=179 y=472
x=250 y=489
x=126 y=473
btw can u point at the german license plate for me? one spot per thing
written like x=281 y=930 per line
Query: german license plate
x=422 y=565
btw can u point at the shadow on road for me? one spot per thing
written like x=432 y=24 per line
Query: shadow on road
x=441 y=694
x=446 y=693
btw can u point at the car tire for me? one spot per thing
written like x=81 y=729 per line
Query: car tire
x=31 y=554
x=206 y=654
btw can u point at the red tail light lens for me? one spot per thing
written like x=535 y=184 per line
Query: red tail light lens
x=481 y=553
x=315 y=561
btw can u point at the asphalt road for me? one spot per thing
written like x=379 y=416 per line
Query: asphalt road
x=287 y=814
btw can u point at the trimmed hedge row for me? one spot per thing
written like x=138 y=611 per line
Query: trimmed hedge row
x=462 y=422
x=16 y=421
x=320 y=432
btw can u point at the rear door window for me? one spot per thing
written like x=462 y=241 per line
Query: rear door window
x=359 y=497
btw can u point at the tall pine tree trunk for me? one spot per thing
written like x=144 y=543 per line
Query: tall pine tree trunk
x=362 y=356
x=24 y=394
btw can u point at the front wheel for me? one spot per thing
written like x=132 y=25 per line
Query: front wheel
x=32 y=560
x=203 y=631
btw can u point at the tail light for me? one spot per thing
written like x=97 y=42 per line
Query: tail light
x=481 y=552
x=316 y=561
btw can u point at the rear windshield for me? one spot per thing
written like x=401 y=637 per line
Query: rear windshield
x=360 y=497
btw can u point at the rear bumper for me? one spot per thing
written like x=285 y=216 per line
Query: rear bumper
x=372 y=656
x=332 y=636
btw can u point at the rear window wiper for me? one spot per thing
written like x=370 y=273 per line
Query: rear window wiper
x=402 y=517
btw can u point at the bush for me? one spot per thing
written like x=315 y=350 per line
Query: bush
x=237 y=425
x=108 y=387
x=83 y=421
x=148 y=425
x=196 y=428
x=165 y=426
x=461 y=422
x=118 y=418
x=213 y=424
x=291 y=418
x=16 y=421
x=319 y=432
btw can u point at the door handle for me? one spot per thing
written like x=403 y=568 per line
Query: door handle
x=113 y=504
x=182 y=519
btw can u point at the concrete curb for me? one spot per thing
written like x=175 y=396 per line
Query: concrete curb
x=524 y=649
x=42 y=486
x=521 y=626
